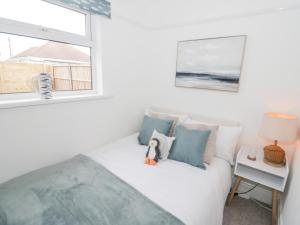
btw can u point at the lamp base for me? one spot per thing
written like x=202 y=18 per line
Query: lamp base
x=274 y=155
x=274 y=164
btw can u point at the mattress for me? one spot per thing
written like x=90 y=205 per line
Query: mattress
x=193 y=195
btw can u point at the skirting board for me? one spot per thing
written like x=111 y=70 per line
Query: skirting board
x=259 y=193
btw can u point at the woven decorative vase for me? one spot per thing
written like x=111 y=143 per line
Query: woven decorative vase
x=274 y=154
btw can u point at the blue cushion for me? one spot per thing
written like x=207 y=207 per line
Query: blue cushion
x=149 y=125
x=189 y=146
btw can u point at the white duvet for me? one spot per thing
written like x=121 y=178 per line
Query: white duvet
x=193 y=195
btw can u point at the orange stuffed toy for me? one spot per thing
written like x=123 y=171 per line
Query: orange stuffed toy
x=153 y=153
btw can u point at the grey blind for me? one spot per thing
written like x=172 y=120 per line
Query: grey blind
x=100 y=7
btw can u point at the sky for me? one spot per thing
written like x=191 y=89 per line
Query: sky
x=222 y=55
x=19 y=44
x=39 y=13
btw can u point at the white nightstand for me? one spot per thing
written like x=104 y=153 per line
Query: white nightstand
x=262 y=173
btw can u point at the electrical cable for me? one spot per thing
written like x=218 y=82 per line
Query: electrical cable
x=251 y=189
x=252 y=199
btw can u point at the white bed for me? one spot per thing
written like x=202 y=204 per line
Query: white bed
x=193 y=195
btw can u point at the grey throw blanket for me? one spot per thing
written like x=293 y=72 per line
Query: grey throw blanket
x=78 y=191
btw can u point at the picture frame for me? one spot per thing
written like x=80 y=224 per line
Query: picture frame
x=210 y=63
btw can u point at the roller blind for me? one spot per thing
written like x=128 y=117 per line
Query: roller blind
x=100 y=7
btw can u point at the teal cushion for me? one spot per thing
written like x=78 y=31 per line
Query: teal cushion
x=189 y=146
x=149 y=125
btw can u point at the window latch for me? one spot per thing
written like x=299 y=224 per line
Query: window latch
x=44 y=29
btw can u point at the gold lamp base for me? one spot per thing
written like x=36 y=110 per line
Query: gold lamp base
x=274 y=155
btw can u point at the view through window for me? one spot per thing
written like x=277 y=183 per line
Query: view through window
x=22 y=58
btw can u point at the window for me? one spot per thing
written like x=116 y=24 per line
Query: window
x=22 y=58
x=44 y=38
x=44 y=14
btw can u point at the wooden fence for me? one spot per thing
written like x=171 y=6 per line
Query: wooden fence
x=73 y=77
x=18 y=77
x=67 y=84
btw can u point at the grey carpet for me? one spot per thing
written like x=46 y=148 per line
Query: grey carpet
x=246 y=212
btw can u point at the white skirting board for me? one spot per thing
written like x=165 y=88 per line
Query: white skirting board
x=260 y=193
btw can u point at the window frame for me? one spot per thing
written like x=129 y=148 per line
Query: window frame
x=40 y=32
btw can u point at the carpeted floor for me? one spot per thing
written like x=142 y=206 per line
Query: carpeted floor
x=246 y=212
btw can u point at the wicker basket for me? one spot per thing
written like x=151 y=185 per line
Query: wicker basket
x=274 y=154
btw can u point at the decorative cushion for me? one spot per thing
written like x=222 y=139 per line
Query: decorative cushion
x=189 y=146
x=165 y=143
x=149 y=125
x=210 y=148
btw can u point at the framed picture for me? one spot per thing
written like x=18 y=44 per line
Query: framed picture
x=212 y=63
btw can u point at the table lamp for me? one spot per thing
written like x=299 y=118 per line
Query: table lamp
x=277 y=127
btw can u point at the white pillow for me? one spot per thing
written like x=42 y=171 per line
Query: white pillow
x=181 y=117
x=165 y=144
x=177 y=118
x=227 y=140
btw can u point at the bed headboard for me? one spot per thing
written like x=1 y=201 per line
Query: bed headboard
x=196 y=116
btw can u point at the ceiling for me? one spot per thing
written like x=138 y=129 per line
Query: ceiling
x=169 y=13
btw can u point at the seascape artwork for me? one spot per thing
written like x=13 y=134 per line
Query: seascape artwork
x=213 y=63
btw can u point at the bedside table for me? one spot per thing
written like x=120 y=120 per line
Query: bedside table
x=262 y=173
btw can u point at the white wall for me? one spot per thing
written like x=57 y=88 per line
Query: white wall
x=33 y=137
x=270 y=77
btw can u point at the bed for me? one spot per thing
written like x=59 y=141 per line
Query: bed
x=111 y=185
x=193 y=195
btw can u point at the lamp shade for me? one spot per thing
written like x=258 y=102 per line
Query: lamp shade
x=280 y=127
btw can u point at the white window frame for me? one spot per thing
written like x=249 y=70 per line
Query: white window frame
x=35 y=31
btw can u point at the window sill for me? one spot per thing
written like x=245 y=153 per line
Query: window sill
x=55 y=100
